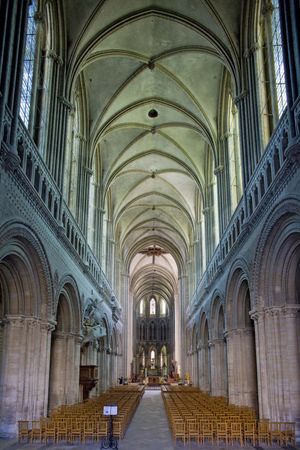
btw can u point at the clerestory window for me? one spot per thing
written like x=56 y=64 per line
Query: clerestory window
x=270 y=69
x=28 y=68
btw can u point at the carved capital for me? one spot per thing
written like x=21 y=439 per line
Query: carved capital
x=240 y=97
x=56 y=58
x=15 y=321
x=249 y=51
x=88 y=171
x=80 y=137
x=66 y=103
x=48 y=326
x=218 y=170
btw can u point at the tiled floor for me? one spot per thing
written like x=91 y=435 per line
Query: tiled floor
x=148 y=430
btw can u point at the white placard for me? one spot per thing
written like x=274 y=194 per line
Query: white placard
x=106 y=410
x=110 y=410
x=114 y=411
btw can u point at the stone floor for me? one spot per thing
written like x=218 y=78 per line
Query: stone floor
x=148 y=430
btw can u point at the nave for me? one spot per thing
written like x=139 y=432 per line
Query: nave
x=149 y=202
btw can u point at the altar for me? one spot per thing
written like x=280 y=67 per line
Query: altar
x=153 y=380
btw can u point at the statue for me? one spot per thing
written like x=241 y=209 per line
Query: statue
x=93 y=325
x=173 y=369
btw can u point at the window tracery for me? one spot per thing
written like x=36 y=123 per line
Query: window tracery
x=28 y=67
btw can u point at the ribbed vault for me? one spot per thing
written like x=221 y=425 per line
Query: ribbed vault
x=150 y=75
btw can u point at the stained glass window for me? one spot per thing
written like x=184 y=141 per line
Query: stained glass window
x=27 y=81
x=278 y=59
x=152 y=306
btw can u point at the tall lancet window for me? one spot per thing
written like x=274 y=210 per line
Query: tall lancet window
x=278 y=59
x=270 y=69
x=142 y=307
x=28 y=68
x=152 y=307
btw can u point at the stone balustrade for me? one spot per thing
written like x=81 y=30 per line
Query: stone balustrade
x=270 y=167
x=47 y=193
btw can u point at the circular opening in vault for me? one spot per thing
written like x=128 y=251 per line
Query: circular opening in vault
x=152 y=113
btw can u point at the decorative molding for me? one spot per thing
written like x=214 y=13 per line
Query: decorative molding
x=240 y=97
x=65 y=102
x=56 y=58
x=218 y=170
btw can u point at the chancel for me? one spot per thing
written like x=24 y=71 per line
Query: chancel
x=150 y=216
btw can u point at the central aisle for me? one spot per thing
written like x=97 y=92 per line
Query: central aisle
x=149 y=428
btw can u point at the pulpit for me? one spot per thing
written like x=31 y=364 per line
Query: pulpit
x=88 y=379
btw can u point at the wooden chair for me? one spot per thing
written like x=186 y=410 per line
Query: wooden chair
x=275 y=433
x=118 y=430
x=288 y=433
x=193 y=431
x=222 y=432
x=101 y=430
x=75 y=433
x=23 y=430
x=179 y=431
x=36 y=431
x=250 y=432
x=50 y=431
x=206 y=431
x=236 y=433
x=62 y=433
x=88 y=430
x=263 y=434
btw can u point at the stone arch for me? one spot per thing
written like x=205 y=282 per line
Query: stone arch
x=277 y=257
x=26 y=265
x=277 y=308
x=194 y=369
x=238 y=274
x=240 y=336
x=66 y=340
x=218 y=349
x=204 y=354
x=25 y=316
x=68 y=290
x=113 y=356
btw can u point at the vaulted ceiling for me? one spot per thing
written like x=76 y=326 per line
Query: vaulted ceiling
x=152 y=73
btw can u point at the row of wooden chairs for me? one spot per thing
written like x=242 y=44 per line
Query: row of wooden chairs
x=83 y=421
x=194 y=415
x=282 y=433
x=46 y=429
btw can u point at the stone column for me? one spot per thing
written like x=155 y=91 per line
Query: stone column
x=181 y=321
x=53 y=159
x=240 y=102
x=101 y=367
x=209 y=240
x=64 y=371
x=242 y=377
x=204 y=368
x=223 y=187
x=194 y=374
x=252 y=107
x=277 y=348
x=218 y=367
x=25 y=370
x=127 y=343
